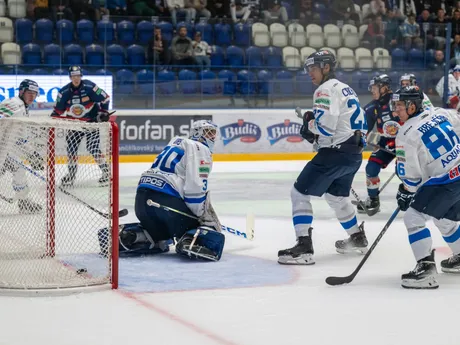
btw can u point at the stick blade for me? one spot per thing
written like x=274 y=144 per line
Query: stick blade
x=122 y=213
x=250 y=226
x=333 y=281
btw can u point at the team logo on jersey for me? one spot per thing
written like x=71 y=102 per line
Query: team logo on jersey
x=321 y=94
x=287 y=129
x=390 y=129
x=77 y=110
x=248 y=132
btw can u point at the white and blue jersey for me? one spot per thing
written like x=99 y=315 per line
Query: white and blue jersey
x=337 y=112
x=181 y=170
x=428 y=149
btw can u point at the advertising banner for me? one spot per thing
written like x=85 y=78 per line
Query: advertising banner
x=150 y=134
x=49 y=87
x=260 y=132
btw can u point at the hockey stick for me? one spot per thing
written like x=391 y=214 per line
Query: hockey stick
x=348 y=279
x=380 y=190
x=249 y=234
x=362 y=204
x=121 y=213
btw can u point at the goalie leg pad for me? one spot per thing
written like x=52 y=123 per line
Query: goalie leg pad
x=202 y=243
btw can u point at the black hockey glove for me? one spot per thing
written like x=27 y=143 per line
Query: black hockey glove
x=304 y=131
x=404 y=197
x=102 y=116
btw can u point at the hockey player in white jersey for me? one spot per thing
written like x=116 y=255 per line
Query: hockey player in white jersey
x=453 y=96
x=428 y=163
x=177 y=179
x=18 y=107
x=338 y=127
x=409 y=79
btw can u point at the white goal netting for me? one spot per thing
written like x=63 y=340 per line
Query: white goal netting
x=58 y=188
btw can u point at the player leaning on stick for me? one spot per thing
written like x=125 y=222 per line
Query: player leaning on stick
x=338 y=126
x=17 y=107
x=82 y=100
x=178 y=179
x=428 y=165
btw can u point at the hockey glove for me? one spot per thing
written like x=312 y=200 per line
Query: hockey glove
x=404 y=197
x=102 y=116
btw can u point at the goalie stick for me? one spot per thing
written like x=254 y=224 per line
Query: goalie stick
x=348 y=279
x=248 y=234
x=121 y=213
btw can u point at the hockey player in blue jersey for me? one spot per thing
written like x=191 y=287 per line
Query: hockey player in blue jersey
x=428 y=164
x=337 y=126
x=82 y=100
x=178 y=179
x=378 y=114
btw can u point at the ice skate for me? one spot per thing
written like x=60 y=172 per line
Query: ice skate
x=68 y=180
x=300 y=254
x=423 y=276
x=356 y=243
x=372 y=205
x=451 y=265
x=28 y=207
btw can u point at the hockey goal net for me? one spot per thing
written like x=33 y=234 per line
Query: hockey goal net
x=58 y=189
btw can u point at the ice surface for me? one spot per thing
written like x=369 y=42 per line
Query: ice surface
x=247 y=298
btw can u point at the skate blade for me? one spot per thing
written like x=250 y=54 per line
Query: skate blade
x=451 y=270
x=360 y=251
x=429 y=282
x=304 y=259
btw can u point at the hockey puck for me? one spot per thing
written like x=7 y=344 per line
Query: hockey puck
x=81 y=271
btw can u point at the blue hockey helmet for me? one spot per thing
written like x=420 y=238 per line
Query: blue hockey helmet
x=409 y=95
x=75 y=70
x=28 y=84
x=204 y=131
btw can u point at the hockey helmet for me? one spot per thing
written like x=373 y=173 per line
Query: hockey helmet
x=28 y=84
x=380 y=81
x=320 y=58
x=409 y=95
x=75 y=70
x=410 y=77
x=204 y=131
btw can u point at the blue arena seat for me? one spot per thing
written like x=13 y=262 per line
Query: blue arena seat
x=135 y=55
x=115 y=55
x=247 y=82
x=242 y=34
x=126 y=33
x=144 y=32
x=31 y=54
x=235 y=57
x=222 y=34
x=187 y=82
x=206 y=32
x=284 y=83
x=94 y=55
x=145 y=83
x=208 y=82
x=64 y=31
x=124 y=82
x=273 y=56
x=52 y=55
x=73 y=54
x=254 y=56
x=24 y=31
x=166 y=83
x=85 y=31
x=105 y=31
x=228 y=82
x=166 y=30
x=44 y=31
x=265 y=83
x=217 y=56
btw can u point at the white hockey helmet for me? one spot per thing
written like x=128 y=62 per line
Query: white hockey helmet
x=204 y=131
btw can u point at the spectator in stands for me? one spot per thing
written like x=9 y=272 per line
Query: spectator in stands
x=178 y=7
x=144 y=8
x=117 y=7
x=306 y=12
x=60 y=9
x=422 y=5
x=82 y=9
x=100 y=9
x=344 y=10
x=158 y=52
x=200 y=7
x=426 y=29
x=455 y=49
x=219 y=8
x=445 y=5
x=378 y=8
x=182 y=49
x=407 y=7
x=440 y=26
x=455 y=7
x=392 y=32
x=439 y=61
x=242 y=9
x=201 y=51
x=273 y=10
x=410 y=31
x=41 y=9
x=456 y=23
x=376 y=33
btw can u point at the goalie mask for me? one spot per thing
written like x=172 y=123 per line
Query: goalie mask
x=205 y=132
